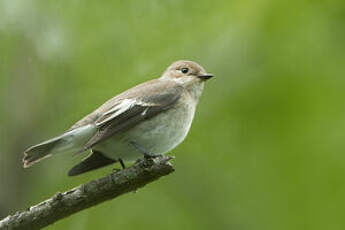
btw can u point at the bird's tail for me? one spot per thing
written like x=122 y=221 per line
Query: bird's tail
x=71 y=141
x=38 y=152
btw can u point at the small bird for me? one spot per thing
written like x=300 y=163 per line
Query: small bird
x=147 y=120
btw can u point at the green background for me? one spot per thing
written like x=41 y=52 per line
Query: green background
x=266 y=148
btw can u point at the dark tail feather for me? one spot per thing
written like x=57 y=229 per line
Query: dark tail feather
x=94 y=161
x=38 y=152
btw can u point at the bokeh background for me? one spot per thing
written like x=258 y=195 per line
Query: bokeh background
x=267 y=146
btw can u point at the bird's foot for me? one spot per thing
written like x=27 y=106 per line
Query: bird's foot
x=146 y=154
x=151 y=156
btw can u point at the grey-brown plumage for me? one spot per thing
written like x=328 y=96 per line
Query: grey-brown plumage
x=149 y=100
x=156 y=115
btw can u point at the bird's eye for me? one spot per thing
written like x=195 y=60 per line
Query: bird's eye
x=184 y=70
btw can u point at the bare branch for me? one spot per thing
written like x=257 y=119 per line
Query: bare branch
x=87 y=195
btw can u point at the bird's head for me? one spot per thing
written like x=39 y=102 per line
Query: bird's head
x=189 y=74
x=186 y=73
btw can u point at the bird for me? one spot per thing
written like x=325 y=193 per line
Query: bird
x=147 y=120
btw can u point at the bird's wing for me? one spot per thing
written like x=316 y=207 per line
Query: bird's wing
x=133 y=106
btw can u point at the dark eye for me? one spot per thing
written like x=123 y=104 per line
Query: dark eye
x=184 y=70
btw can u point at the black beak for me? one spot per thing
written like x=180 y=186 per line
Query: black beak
x=205 y=76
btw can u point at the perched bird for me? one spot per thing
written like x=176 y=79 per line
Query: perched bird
x=149 y=119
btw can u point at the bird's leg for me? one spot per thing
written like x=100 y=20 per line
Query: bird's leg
x=146 y=154
x=122 y=163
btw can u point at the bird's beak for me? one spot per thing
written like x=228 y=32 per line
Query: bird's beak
x=205 y=76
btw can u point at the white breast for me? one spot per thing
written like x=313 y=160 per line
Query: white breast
x=165 y=131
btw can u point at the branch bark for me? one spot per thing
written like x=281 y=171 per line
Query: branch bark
x=90 y=194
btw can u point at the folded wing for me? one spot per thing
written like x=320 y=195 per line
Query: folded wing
x=133 y=106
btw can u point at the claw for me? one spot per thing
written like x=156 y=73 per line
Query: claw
x=151 y=156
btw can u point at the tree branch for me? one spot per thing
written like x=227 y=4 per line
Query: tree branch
x=87 y=195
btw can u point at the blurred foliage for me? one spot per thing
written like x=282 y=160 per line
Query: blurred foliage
x=266 y=149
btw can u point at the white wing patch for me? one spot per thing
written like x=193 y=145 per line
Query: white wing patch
x=122 y=107
x=116 y=110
